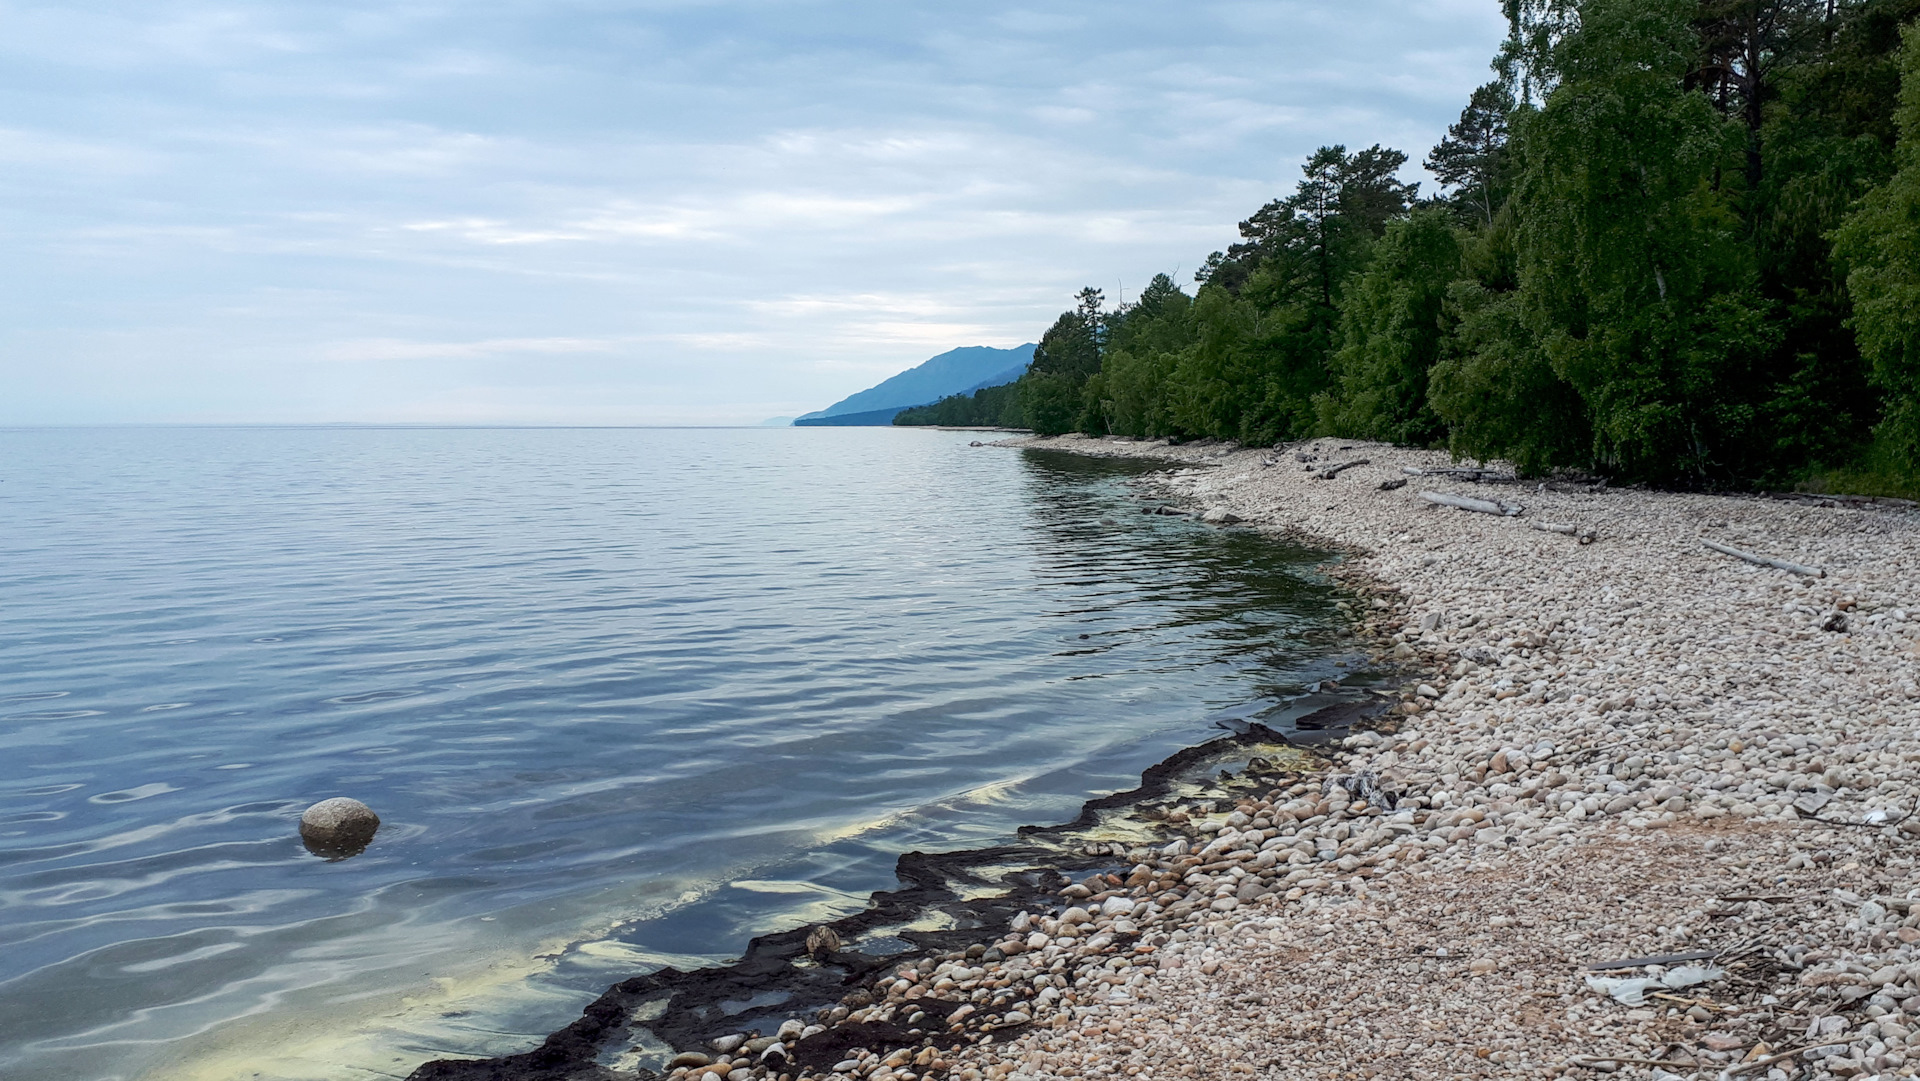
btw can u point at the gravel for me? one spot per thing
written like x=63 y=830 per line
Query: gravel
x=1617 y=749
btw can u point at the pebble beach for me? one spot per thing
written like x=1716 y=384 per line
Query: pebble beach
x=1639 y=808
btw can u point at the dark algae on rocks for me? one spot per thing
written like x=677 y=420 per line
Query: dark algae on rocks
x=950 y=906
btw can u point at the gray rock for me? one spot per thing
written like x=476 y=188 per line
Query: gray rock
x=338 y=827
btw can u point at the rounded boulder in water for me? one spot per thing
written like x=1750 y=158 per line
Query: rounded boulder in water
x=339 y=827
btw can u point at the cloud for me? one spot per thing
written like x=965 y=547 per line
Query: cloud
x=660 y=209
x=393 y=349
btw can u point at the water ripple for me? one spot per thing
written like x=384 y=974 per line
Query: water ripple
x=585 y=677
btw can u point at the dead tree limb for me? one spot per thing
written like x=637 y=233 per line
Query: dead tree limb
x=1766 y=561
x=1333 y=471
x=1474 y=475
x=1584 y=536
x=1479 y=506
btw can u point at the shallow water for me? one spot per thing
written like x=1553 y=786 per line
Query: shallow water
x=621 y=697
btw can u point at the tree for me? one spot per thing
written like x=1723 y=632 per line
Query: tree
x=1472 y=159
x=1313 y=237
x=1880 y=242
x=1143 y=348
x=1633 y=269
x=1071 y=347
x=1391 y=331
x=1067 y=356
x=1743 y=43
x=1528 y=61
x=1496 y=390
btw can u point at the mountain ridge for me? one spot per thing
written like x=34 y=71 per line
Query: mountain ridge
x=956 y=371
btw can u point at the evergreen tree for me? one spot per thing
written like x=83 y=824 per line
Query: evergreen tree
x=1472 y=159
x=1067 y=356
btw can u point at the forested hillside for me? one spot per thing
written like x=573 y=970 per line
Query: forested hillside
x=1676 y=241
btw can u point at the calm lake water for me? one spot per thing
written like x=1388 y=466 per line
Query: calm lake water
x=622 y=697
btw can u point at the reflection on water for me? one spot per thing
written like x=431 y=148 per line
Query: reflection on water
x=620 y=698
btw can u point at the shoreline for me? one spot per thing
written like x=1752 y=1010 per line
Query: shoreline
x=1632 y=748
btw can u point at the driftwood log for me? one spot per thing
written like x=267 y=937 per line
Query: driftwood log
x=1766 y=561
x=1333 y=471
x=1474 y=475
x=1832 y=499
x=1479 y=506
x=1584 y=536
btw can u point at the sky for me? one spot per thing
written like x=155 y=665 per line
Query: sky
x=637 y=211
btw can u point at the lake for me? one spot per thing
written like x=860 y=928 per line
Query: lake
x=622 y=698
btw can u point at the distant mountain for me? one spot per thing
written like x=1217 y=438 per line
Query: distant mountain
x=956 y=371
x=870 y=418
x=776 y=422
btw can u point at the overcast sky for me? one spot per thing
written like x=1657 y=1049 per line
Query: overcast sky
x=636 y=211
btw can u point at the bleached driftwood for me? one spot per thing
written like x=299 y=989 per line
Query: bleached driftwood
x=1479 y=506
x=1766 y=561
x=1475 y=475
x=1333 y=471
x=1584 y=536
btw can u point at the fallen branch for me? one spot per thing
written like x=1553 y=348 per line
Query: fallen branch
x=1480 y=506
x=1830 y=498
x=1592 y=1062
x=1661 y=959
x=1333 y=471
x=1584 y=536
x=1392 y=485
x=1744 y=1067
x=1703 y=1003
x=1475 y=475
x=1765 y=561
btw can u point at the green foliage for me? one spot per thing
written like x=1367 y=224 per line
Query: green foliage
x=1241 y=378
x=1143 y=347
x=1679 y=243
x=989 y=407
x=1632 y=271
x=1311 y=240
x=1880 y=241
x=1071 y=347
x=1051 y=402
x=1497 y=392
x=1472 y=159
x=1391 y=333
x=1067 y=356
